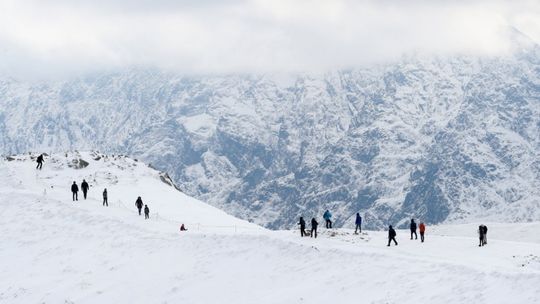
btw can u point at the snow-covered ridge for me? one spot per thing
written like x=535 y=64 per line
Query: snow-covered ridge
x=124 y=178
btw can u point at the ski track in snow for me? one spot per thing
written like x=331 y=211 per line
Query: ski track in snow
x=57 y=251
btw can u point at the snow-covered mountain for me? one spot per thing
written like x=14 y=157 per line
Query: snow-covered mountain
x=443 y=139
x=54 y=250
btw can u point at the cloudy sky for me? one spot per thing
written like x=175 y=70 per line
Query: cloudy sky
x=52 y=38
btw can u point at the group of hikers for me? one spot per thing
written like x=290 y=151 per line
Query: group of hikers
x=84 y=187
x=412 y=227
x=327 y=216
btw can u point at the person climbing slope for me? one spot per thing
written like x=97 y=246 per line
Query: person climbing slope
x=358 y=223
x=422 y=228
x=75 y=191
x=314 y=225
x=139 y=204
x=84 y=187
x=39 y=161
x=391 y=235
x=327 y=217
x=146 y=212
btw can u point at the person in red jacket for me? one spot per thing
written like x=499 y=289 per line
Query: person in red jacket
x=422 y=228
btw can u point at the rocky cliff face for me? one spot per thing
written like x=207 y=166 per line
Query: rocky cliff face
x=439 y=139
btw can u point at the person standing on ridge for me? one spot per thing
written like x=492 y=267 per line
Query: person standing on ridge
x=327 y=216
x=39 y=161
x=391 y=235
x=358 y=223
x=481 y=235
x=422 y=228
x=484 y=231
x=105 y=202
x=84 y=187
x=302 y=224
x=75 y=191
x=314 y=225
x=139 y=204
x=413 y=229
x=146 y=212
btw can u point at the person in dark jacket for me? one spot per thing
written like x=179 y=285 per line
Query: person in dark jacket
x=413 y=229
x=481 y=235
x=39 y=161
x=84 y=187
x=75 y=191
x=183 y=228
x=302 y=224
x=105 y=201
x=327 y=217
x=485 y=234
x=358 y=223
x=139 y=204
x=391 y=235
x=146 y=212
x=314 y=225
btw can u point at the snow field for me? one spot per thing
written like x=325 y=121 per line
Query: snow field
x=57 y=251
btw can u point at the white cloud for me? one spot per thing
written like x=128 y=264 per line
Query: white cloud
x=59 y=37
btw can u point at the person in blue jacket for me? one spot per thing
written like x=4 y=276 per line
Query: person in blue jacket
x=358 y=223
x=327 y=216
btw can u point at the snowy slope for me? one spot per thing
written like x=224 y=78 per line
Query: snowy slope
x=445 y=139
x=57 y=251
x=125 y=180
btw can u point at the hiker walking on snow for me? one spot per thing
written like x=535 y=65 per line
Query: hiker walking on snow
x=84 y=187
x=75 y=191
x=391 y=235
x=139 y=204
x=422 y=228
x=314 y=225
x=146 y=212
x=413 y=229
x=39 y=161
x=302 y=224
x=327 y=216
x=358 y=223
x=105 y=202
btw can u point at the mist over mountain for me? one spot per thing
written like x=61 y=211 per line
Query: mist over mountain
x=442 y=139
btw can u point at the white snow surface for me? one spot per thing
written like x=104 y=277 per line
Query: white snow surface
x=56 y=251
